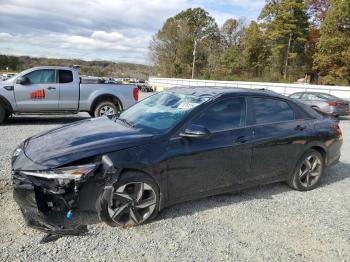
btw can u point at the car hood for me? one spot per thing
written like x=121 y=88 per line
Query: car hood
x=80 y=140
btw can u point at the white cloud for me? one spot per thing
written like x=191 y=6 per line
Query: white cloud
x=5 y=36
x=90 y=29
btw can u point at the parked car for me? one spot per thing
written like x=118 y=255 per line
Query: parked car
x=7 y=76
x=51 y=89
x=174 y=146
x=327 y=103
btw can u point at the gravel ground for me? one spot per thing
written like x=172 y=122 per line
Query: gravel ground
x=268 y=223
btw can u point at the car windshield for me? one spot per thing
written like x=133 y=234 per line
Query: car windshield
x=160 y=112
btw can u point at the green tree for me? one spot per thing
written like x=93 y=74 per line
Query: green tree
x=164 y=46
x=254 y=50
x=333 y=50
x=232 y=31
x=182 y=45
x=286 y=24
x=231 y=62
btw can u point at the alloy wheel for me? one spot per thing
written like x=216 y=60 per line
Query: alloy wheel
x=132 y=203
x=107 y=110
x=310 y=171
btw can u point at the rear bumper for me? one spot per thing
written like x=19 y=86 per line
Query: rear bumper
x=340 y=112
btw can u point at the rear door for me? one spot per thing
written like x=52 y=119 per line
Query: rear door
x=41 y=94
x=278 y=138
x=69 y=90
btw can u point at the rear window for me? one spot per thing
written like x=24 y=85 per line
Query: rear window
x=65 y=76
x=327 y=96
x=269 y=110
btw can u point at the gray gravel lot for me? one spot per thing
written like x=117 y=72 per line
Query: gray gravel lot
x=270 y=222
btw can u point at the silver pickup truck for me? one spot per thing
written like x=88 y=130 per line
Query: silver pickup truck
x=53 y=89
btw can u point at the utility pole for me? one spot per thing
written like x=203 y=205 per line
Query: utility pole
x=285 y=71
x=194 y=56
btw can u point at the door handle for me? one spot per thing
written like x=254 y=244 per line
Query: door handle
x=51 y=88
x=241 y=139
x=300 y=127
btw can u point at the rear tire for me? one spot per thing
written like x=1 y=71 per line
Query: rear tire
x=106 y=108
x=135 y=201
x=308 y=171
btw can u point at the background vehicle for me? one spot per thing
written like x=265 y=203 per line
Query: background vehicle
x=171 y=147
x=142 y=86
x=4 y=77
x=325 y=102
x=53 y=89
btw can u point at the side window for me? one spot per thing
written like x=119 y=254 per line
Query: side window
x=41 y=76
x=65 y=76
x=295 y=96
x=269 y=110
x=309 y=96
x=224 y=115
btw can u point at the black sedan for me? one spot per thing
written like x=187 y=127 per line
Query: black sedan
x=174 y=146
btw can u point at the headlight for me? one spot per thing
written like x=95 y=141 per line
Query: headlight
x=72 y=172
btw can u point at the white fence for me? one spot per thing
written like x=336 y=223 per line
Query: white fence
x=160 y=84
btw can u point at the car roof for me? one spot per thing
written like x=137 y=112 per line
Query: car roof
x=214 y=91
x=312 y=92
x=53 y=67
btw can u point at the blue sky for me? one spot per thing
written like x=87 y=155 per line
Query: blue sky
x=116 y=30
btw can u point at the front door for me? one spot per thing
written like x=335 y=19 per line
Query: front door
x=198 y=166
x=40 y=93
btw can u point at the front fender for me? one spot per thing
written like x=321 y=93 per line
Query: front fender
x=7 y=97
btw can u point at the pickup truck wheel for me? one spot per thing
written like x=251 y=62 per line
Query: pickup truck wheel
x=3 y=114
x=106 y=108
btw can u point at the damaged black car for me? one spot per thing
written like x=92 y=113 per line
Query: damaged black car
x=174 y=146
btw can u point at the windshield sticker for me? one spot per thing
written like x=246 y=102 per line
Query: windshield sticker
x=187 y=105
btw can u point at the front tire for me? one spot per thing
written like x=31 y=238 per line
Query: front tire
x=134 y=201
x=106 y=108
x=309 y=170
x=3 y=114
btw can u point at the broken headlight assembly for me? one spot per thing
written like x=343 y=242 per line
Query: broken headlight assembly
x=65 y=174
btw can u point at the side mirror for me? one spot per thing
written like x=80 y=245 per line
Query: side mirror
x=196 y=131
x=22 y=80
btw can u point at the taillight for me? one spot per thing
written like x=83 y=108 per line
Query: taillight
x=336 y=129
x=136 y=94
x=333 y=103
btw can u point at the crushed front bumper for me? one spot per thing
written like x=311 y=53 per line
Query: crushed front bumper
x=36 y=212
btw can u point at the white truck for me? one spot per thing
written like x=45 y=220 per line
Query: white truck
x=54 y=89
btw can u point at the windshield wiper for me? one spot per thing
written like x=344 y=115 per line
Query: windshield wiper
x=125 y=122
